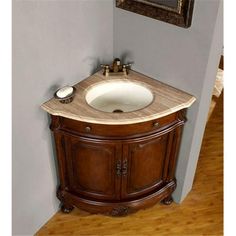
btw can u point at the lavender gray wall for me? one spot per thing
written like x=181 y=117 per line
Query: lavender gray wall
x=54 y=43
x=184 y=58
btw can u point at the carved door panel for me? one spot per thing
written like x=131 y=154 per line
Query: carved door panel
x=146 y=163
x=92 y=167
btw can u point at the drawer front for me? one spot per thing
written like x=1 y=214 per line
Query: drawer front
x=116 y=131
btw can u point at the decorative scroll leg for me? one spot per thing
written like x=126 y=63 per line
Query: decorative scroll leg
x=168 y=200
x=66 y=208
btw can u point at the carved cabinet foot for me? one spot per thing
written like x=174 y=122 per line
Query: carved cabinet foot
x=120 y=211
x=66 y=208
x=168 y=200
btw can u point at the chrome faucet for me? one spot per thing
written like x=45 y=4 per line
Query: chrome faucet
x=116 y=68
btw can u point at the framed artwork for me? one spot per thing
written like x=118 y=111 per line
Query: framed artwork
x=177 y=12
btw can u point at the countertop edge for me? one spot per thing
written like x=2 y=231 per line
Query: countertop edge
x=120 y=122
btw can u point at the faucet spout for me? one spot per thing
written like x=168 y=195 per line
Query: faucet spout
x=116 y=68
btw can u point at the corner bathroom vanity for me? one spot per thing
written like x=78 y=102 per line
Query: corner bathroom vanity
x=117 y=143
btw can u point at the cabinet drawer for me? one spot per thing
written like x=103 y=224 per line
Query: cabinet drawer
x=116 y=131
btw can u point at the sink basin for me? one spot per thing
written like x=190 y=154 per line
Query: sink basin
x=119 y=96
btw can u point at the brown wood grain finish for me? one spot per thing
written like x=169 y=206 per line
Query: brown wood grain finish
x=105 y=173
x=141 y=157
x=91 y=168
x=118 y=131
x=107 y=207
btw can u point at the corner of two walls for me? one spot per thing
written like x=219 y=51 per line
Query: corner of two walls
x=184 y=58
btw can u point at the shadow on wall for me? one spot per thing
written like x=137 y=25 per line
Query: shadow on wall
x=94 y=64
x=52 y=88
x=127 y=57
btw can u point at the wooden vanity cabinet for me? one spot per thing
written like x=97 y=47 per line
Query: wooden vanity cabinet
x=116 y=174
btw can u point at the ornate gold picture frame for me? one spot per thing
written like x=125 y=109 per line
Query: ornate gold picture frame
x=177 y=12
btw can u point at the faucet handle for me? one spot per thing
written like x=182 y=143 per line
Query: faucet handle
x=126 y=68
x=129 y=64
x=105 y=66
x=106 y=69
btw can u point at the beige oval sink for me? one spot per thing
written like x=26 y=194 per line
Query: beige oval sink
x=119 y=96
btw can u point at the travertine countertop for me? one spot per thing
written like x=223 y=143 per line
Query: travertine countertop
x=166 y=101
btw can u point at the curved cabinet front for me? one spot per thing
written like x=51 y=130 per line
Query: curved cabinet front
x=116 y=175
x=90 y=167
x=145 y=161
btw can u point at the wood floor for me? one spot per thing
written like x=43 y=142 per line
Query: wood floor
x=201 y=213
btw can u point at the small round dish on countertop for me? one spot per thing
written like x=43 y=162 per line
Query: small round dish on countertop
x=65 y=94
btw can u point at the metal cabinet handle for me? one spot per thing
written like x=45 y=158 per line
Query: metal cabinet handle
x=156 y=124
x=124 y=168
x=121 y=168
x=87 y=129
x=118 y=168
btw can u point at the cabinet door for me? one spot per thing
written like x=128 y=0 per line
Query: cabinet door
x=92 y=167
x=144 y=165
